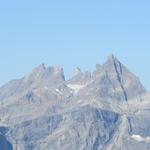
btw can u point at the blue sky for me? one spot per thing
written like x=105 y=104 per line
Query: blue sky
x=73 y=33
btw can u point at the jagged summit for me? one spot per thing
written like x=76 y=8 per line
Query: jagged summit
x=39 y=69
x=109 y=65
x=112 y=76
x=77 y=71
x=110 y=57
x=43 y=71
x=80 y=77
x=111 y=60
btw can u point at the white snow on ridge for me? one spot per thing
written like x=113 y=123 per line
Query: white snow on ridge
x=140 y=138
x=58 y=91
x=76 y=87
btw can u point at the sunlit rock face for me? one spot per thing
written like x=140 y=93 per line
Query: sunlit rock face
x=107 y=109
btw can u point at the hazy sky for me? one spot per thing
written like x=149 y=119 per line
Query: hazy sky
x=73 y=33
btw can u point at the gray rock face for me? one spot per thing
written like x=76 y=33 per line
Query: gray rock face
x=104 y=110
x=128 y=82
x=4 y=143
x=84 y=127
x=81 y=78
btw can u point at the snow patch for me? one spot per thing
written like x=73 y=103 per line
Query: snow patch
x=58 y=91
x=140 y=138
x=76 y=87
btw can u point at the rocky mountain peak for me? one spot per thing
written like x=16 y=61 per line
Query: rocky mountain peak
x=80 y=77
x=77 y=71
x=39 y=69
x=56 y=70
x=111 y=57
x=52 y=70
x=112 y=61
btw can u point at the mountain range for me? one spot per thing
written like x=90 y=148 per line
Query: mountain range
x=108 y=109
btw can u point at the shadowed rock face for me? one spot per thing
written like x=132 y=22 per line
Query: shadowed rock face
x=4 y=143
x=104 y=110
x=86 y=123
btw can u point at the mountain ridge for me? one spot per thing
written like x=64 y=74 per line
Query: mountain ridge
x=104 y=110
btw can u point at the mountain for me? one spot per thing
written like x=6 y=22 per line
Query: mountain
x=104 y=110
